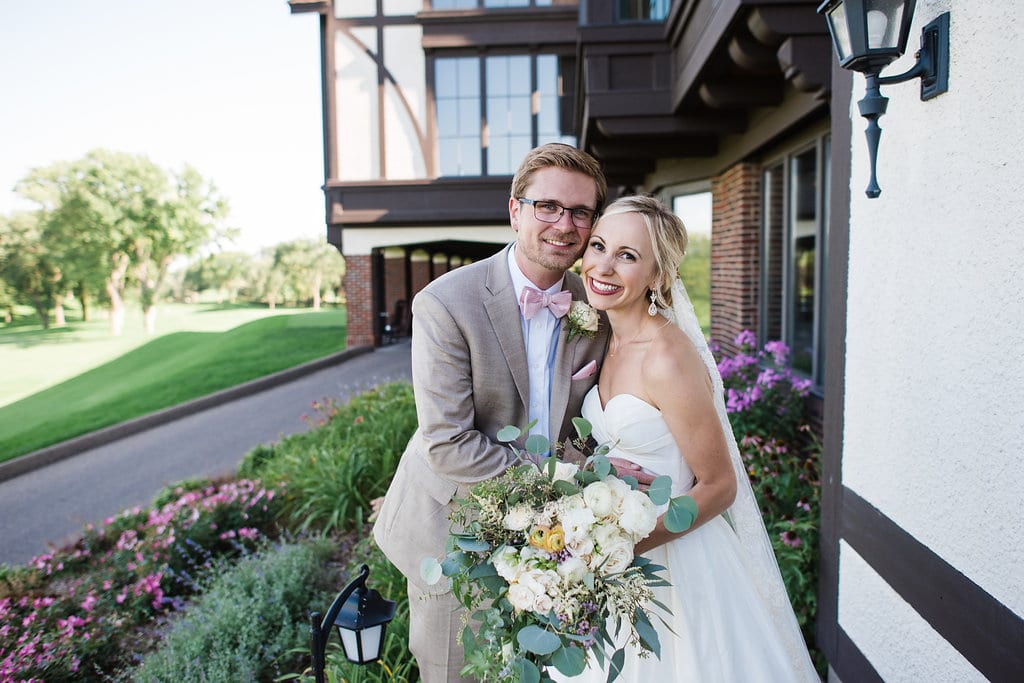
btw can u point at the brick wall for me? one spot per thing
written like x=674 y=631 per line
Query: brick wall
x=735 y=265
x=359 y=298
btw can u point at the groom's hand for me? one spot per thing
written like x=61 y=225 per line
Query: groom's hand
x=627 y=468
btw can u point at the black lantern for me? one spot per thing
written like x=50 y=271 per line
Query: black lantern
x=868 y=35
x=361 y=616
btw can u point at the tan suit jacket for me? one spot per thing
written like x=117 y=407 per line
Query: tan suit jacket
x=470 y=379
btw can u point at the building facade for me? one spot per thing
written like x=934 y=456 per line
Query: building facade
x=904 y=311
x=922 y=529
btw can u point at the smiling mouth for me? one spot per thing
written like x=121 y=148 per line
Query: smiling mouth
x=561 y=244
x=603 y=287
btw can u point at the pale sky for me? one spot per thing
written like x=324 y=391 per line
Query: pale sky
x=231 y=87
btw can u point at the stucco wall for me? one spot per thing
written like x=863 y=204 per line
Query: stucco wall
x=934 y=402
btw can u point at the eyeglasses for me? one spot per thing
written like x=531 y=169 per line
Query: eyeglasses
x=551 y=212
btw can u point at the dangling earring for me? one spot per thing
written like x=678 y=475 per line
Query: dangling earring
x=652 y=310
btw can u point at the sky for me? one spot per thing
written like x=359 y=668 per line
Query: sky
x=230 y=87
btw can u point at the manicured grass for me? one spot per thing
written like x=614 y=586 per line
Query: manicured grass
x=168 y=370
x=34 y=359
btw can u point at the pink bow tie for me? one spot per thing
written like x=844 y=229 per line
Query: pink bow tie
x=532 y=300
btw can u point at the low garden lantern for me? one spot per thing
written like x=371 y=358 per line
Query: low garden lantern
x=361 y=616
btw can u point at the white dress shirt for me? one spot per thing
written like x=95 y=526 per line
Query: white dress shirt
x=541 y=336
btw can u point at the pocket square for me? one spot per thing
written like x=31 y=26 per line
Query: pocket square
x=588 y=370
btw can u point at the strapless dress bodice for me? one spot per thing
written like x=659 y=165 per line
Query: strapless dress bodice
x=636 y=431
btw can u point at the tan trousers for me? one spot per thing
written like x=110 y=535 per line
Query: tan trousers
x=434 y=624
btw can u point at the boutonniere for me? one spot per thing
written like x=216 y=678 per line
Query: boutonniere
x=581 y=320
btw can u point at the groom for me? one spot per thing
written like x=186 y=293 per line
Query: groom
x=481 y=361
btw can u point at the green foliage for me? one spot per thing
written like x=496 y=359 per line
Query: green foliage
x=695 y=273
x=247 y=618
x=167 y=371
x=72 y=615
x=28 y=268
x=332 y=473
x=396 y=664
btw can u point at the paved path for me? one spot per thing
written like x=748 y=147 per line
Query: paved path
x=51 y=504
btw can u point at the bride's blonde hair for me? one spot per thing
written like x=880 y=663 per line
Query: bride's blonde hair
x=668 y=238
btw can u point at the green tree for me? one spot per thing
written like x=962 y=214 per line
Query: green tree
x=26 y=266
x=696 y=275
x=117 y=218
x=310 y=268
x=227 y=273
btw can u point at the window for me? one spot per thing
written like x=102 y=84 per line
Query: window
x=488 y=4
x=793 y=258
x=643 y=10
x=492 y=110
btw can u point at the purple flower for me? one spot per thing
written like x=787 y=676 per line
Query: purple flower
x=746 y=338
x=779 y=351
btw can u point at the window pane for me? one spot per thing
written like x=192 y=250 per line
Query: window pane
x=509 y=115
x=457 y=88
x=804 y=232
x=643 y=10
x=772 y=259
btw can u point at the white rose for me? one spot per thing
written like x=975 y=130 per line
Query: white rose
x=565 y=471
x=599 y=498
x=606 y=534
x=620 y=490
x=580 y=546
x=577 y=522
x=572 y=570
x=614 y=557
x=639 y=515
x=521 y=597
x=519 y=518
x=543 y=603
x=584 y=315
x=507 y=562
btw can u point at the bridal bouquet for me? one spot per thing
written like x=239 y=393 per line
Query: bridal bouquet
x=542 y=558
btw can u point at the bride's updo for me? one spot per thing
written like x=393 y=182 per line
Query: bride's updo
x=668 y=238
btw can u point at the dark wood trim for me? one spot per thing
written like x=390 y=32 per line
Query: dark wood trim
x=329 y=91
x=987 y=633
x=838 y=255
x=499 y=27
x=848 y=659
x=478 y=200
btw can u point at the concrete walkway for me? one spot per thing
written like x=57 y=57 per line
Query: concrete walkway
x=49 y=502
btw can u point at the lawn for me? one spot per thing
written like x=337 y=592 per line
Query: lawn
x=64 y=382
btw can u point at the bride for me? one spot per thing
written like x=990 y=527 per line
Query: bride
x=659 y=398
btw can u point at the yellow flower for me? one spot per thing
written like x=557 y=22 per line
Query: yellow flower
x=539 y=536
x=555 y=541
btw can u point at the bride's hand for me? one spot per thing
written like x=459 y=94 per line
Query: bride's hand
x=628 y=468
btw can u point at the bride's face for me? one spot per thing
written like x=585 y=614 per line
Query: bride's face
x=618 y=264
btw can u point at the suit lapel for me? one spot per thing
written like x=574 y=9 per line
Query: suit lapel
x=503 y=311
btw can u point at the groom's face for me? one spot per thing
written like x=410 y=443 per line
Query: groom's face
x=544 y=251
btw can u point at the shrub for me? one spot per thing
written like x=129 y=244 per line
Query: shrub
x=68 y=614
x=333 y=472
x=762 y=394
x=246 y=619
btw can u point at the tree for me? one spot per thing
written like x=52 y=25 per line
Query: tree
x=227 y=272
x=117 y=218
x=309 y=267
x=26 y=266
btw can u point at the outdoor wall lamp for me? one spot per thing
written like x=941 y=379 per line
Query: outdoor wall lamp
x=868 y=35
x=361 y=616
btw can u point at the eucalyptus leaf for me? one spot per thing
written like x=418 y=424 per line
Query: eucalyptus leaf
x=566 y=488
x=482 y=570
x=583 y=427
x=538 y=641
x=527 y=671
x=455 y=562
x=681 y=513
x=615 y=665
x=468 y=640
x=660 y=490
x=472 y=545
x=508 y=433
x=549 y=467
x=430 y=570
x=569 y=660
x=603 y=449
x=602 y=467
x=632 y=481
x=648 y=635
x=537 y=444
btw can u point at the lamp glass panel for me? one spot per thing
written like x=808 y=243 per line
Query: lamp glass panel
x=350 y=642
x=371 y=642
x=840 y=31
x=884 y=18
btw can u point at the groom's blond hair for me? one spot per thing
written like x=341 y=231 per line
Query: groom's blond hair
x=559 y=155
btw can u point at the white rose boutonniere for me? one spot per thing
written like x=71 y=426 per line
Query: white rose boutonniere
x=581 y=320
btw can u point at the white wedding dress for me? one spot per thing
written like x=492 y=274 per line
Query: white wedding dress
x=721 y=627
